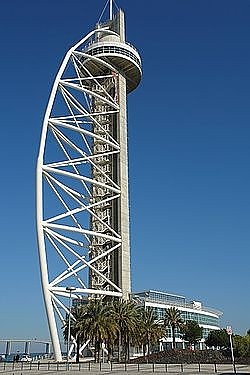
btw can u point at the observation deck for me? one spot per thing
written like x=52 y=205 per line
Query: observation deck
x=113 y=49
x=123 y=56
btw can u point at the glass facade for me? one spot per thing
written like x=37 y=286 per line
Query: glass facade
x=200 y=318
x=114 y=50
x=187 y=315
x=149 y=298
x=162 y=297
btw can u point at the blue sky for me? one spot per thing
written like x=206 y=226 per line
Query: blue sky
x=189 y=156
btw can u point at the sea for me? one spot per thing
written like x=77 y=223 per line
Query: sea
x=34 y=356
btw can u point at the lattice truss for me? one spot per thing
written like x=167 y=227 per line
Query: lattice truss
x=80 y=192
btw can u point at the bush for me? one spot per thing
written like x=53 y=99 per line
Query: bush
x=183 y=356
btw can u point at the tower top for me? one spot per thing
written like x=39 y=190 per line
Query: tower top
x=108 y=8
x=110 y=46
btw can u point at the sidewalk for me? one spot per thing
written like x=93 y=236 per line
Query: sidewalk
x=52 y=368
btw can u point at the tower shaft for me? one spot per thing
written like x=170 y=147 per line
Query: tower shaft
x=116 y=266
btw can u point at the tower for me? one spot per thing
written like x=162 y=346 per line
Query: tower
x=82 y=174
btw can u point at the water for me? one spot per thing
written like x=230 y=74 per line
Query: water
x=34 y=356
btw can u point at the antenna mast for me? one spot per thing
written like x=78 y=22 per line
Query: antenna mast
x=110 y=9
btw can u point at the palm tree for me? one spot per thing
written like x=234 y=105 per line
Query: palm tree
x=125 y=315
x=173 y=319
x=151 y=330
x=77 y=331
x=98 y=323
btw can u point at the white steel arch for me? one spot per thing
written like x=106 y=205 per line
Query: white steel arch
x=82 y=179
x=68 y=128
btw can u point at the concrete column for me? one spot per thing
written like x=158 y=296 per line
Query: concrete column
x=124 y=261
x=8 y=348
x=47 y=348
x=27 y=347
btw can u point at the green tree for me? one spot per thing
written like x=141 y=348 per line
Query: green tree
x=173 y=319
x=191 y=331
x=125 y=314
x=218 y=338
x=150 y=330
x=98 y=324
x=241 y=346
x=77 y=329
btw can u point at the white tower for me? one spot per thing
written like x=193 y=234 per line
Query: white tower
x=82 y=174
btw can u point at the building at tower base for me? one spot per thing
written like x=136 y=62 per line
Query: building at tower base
x=207 y=318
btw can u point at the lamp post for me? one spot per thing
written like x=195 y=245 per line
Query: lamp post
x=70 y=289
x=230 y=333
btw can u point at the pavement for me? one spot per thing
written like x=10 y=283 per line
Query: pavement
x=53 y=368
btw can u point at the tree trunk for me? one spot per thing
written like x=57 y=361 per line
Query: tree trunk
x=78 y=349
x=96 y=350
x=173 y=334
x=128 y=349
x=148 y=344
x=109 y=350
x=119 y=346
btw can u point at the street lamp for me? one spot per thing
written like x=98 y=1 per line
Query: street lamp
x=230 y=333
x=70 y=289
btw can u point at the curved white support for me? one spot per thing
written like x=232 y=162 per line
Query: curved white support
x=79 y=105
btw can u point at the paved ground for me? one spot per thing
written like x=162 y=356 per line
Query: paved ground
x=117 y=369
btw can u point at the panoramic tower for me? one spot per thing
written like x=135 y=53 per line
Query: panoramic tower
x=82 y=174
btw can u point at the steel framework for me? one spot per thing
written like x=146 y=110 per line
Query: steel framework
x=79 y=192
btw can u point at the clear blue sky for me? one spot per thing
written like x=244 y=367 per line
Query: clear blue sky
x=189 y=138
